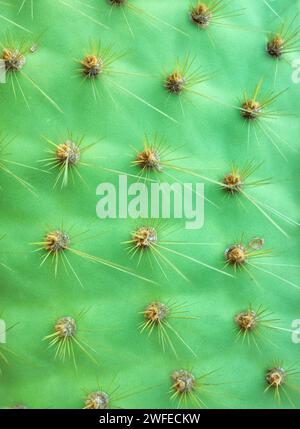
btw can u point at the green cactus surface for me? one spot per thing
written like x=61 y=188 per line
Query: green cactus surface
x=106 y=313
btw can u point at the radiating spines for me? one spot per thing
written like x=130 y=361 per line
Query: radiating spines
x=207 y=13
x=14 y=53
x=128 y=7
x=253 y=326
x=98 y=68
x=27 y=3
x=156 y=158
x=66 y=158
x=109 y=395
x=239 y=177
x=68 y=339
x=12 y=22
x=83 y=9
x=190 y=389
x=60 y=244
x=258 y=111
x=239 y=181
x=285 y=40
x=269 y=4
x=154 y=240
x=6 y=164
x=97 y=64
x=56 y=245
x=282 y=379
x=257 y=106
x=239 y=254
x=252 y=256
x=185 y=77
x=158 y=317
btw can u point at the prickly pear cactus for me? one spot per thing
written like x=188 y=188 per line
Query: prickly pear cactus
x=144 y=313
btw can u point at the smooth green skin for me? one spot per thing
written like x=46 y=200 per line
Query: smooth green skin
x=213 y=137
